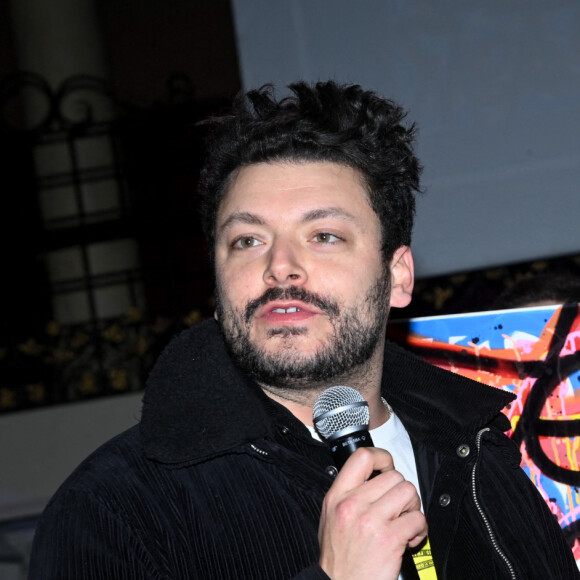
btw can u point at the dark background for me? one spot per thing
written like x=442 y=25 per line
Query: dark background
x=171 y=63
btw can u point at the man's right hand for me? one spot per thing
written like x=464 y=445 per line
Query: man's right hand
x=367 y=524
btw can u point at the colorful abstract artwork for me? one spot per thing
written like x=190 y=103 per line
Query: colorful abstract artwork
x=534 y=353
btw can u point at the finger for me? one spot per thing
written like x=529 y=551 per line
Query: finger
x=356 y=491
x=395 y=497
x=359 y=467
x=415 y=525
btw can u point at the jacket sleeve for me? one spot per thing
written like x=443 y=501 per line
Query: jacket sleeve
x=77 y=537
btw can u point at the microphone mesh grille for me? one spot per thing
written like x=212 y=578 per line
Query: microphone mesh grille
x=344 y=408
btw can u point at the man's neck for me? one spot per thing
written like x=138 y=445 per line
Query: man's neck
x=300 y=399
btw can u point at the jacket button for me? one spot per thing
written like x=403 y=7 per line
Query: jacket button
x=331 y=471
x=463 y=451
x=444 y=499
x=284 y=430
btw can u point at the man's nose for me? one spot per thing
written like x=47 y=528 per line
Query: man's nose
x=285 y=265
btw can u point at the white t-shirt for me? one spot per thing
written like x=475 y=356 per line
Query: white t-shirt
x=393 y=437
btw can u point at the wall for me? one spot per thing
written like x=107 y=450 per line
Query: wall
x=494 y=87
x=40 y=448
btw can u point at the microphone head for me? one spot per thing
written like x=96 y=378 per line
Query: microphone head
x=339 y=411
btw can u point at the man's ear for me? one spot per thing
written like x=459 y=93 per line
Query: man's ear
x=402 y=277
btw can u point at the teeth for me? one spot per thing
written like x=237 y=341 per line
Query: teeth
x=286 y=310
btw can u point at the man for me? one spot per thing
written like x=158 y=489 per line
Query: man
x=308 y=203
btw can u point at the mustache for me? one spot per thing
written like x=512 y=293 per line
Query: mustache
x=291 y=293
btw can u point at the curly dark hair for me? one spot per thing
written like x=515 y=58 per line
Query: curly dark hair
x=325 y=121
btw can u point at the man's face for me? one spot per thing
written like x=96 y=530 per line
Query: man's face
x=302 y=292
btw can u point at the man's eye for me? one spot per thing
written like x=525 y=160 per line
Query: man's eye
x=326 y=238
x=246 y=242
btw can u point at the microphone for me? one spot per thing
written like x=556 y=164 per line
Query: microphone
x=341 y=416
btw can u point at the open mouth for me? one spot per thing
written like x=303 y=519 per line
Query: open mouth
x=288 y=302
x=286 y=313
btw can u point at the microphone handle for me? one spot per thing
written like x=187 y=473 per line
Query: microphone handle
x=343 y=447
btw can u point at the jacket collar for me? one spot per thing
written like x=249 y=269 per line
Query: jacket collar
x=438 y=407
x=197 y=403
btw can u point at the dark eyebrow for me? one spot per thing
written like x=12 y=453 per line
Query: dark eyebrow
x=242 y=217
x=326 y=212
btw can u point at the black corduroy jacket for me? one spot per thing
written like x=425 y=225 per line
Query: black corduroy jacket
x=219 y=482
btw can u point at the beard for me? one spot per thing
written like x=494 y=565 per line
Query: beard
x=356 y=332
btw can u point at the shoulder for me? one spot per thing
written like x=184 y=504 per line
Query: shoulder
x=114 y=463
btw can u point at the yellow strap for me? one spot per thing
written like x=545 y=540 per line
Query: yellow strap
x=424 y=562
